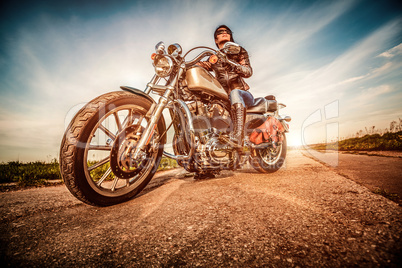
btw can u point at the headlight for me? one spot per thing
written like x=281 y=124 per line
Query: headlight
x=163 y=66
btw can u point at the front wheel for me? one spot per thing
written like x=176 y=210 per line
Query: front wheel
x=268 y=160
x=95 y=160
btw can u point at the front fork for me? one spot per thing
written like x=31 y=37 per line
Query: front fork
x=149 y=130
x=156 y=113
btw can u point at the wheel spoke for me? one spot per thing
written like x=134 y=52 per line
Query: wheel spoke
x=107 y=132
x=116 y=179
x=108 y=171
x=118 y=123
x=126 y=121
x=100 y=163
x=129 y=119
x=100 y=147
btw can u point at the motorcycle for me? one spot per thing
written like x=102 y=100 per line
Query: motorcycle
x=113 y=146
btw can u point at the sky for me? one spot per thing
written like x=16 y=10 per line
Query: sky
x=337 y=65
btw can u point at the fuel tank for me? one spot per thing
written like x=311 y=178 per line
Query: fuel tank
x=201 y=81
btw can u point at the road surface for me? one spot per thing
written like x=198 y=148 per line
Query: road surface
x=306 y=214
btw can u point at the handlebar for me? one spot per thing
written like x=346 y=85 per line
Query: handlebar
x=198 y=58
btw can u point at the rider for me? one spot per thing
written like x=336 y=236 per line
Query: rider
x=230 y=71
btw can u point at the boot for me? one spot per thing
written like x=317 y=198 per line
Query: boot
x=239 y=118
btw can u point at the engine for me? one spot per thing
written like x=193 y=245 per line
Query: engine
x=212 y=125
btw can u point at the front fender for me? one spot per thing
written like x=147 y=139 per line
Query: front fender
x=137 y=92
x=142 y=94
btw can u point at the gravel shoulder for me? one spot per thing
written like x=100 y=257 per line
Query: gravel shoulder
x=306 y=214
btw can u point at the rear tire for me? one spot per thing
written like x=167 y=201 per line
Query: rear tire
x=270 y=159
x=85 y=153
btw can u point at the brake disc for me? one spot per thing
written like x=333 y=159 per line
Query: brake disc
x=121 y=163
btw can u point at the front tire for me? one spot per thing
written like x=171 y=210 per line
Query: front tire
x=269 y=160
x=85 y=153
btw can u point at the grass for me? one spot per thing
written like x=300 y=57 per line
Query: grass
x=167 y=163
x=374 y=142
x=29 y=174
x=39 y=173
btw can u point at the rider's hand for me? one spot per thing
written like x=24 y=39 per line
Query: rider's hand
x=222 y=57
x=240 y=69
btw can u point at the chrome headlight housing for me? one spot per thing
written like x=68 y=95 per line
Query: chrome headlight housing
x=174 y=50
x=163 y=65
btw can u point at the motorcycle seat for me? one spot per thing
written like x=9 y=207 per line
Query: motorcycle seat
x=263 y=105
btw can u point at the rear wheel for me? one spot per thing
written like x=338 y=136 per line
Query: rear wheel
x=95 y=160
x=269 y=159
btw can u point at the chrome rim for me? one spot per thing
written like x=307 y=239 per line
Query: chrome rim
x=98 y=147
x=271 y=155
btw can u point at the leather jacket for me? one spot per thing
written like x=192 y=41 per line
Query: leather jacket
x=230 y=75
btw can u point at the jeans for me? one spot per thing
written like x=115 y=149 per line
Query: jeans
x=241 y=96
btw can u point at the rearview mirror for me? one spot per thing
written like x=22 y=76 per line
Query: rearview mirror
x=231 y=48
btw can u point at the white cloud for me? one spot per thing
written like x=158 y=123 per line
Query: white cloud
x=276 y=44
x=354 y=71
x=59 y=64
x=372 y=74
x=352 y=80
x=397 y=50
x=372 y=93
x=353 y=65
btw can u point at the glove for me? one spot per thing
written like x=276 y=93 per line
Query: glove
x=246 y=71
x=241 y=69
x=222 y=57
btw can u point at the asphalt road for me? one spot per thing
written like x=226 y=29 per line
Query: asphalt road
x=306 y=214
x=375 y=172
x=380 y=174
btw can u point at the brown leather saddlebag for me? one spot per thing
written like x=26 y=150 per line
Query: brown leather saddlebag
x=269 y=131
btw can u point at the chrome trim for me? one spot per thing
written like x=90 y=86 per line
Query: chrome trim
x=160 y=66
x=160 y=90
x=175 y=50
x=287 y=118
x=198 y=58
x=192 y=135
x=282 y=120
x=151 y=84
x=160 y=48
x=146 y=96
x=231 y=48
x=188 y=114
x=157 y=114
x=264 y=145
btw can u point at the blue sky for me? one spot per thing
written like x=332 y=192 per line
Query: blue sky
x=339 y=59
